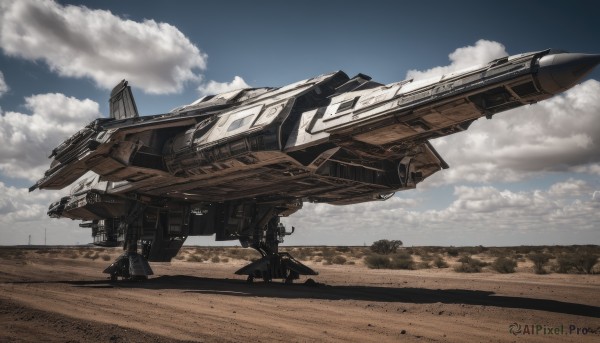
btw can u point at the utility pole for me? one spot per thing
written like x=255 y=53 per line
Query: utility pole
x=29 y=240
x=44 y=236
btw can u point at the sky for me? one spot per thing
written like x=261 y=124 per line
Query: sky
x=528 y=176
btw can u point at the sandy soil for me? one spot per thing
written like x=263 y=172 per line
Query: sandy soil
x=53 y=297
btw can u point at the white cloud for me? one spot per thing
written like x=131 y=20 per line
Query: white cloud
x=26 y=140
x=23 y=214
x=79 y=42
x=569 y=187
x=3 y=86
x=558 y=134
x=213 y=87
x=482 y=52
x=475 y=215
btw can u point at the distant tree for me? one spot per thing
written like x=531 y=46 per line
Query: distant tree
x=581 y=261
x=385 y=247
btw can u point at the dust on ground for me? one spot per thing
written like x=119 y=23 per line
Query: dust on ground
x=60 y=295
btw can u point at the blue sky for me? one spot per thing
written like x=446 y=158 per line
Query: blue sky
x=529 y=176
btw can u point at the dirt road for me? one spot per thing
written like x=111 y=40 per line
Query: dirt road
x=53 y=297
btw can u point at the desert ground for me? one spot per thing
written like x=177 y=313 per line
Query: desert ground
x=59 y=294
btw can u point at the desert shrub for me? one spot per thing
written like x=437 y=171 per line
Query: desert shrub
x=504 y=265
x=385 y=247
x=194 y=258
x=423 y=265
x=343 y=249
x=361 y=252
x=338 y=259
x=402 y=261
x=469 y=264
x=303 y=254
x=351 y=262
x=215 y=259
x=424 y=255
x=580 y=261
x=439 y=262
x=328 y=252
x=318 y=259
x=105 y=257
x=225 y=260
x=539 y=260
x=377 y=261
x=452 y=251
x=475 y=250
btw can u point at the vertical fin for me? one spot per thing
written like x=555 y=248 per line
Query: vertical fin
x=122 y=105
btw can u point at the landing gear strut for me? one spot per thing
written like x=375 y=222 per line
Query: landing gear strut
x=273 y=264
x=130 y=265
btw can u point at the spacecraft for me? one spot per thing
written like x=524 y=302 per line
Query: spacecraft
x=232 y=164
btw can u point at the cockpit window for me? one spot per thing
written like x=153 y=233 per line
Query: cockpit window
x=236 y=124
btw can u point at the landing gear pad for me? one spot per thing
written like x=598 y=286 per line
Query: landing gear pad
x=276 y=266
x=129 y=266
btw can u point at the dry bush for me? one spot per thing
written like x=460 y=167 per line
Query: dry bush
x=469 y=264
x=357 y=253
x=500 y=252
x=194 y=258
x=105 y=257
x=377 y=261
x=396 y=261
x=452 y=251
x=426 y=257
x=318 y=259
x=328 y=253
x=215 y=259
x=582 y=261
x=504 y=265
x=539 y=260
x=225 y=260
x=342 y=249
x=423 y=265
x=403 y=261
x=302 y=254
x=338 y=259
x=439 y=262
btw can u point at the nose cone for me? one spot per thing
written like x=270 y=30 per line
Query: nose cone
x=559 y=72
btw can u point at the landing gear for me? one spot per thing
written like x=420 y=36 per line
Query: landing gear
x=273 y=264
x=131 y=265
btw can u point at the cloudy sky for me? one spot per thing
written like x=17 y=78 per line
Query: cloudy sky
x=528 y=176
